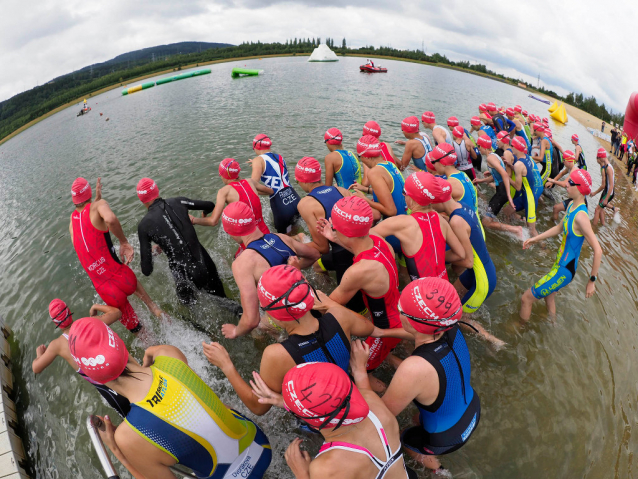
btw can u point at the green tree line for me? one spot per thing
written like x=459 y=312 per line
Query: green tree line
x=29 y=105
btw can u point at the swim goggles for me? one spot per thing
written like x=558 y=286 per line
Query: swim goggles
x=343 y=406
x=58 y=322
x=571 y=183
x=333 y=138
x=285 y=303
x=442 y=324
x=436 y=161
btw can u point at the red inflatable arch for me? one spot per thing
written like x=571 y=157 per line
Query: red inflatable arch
x=631 y=116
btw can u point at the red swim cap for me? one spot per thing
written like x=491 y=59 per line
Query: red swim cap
x=575 y=137
x=519 y=144
x=475 y=121
x=510 y=112
x=284 y=293
x=238 y=219
x=428 y=163
x=568 y=155
x=548 y=132
x=372 y=128
x=518 y=108
x=484 y=142
x=323 y=395
x=60 y=314
x=601 y=153
x=352 y=217
x=491 y=106
x=458 y=132
x=428 y=117
x=333 y=136
x=582 y=179
x=422 y=187
x=487 y=116
x=262 y=142
x=483 y=108
x=445 y=189
x=229 y=168
x=97 y=350
x=147 y=190
x=410 y=124
x=444 y=152
x=452 y=122
x=368 y=146
x=308 y=170
x=546 y=121
x=524 y=113
x=537 y=126
x=80 y=191
x=432 y=305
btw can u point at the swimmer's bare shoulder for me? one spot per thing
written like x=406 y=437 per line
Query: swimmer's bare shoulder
x=337 y=463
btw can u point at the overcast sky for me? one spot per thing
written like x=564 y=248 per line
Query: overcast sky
x=583 y=46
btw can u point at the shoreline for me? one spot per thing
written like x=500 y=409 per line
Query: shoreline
x=573 y=111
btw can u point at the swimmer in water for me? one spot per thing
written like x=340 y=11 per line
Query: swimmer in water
x=167 y=224
x=578 y=153
x=499 y=122
x=90 y=229
x=607 y=187
x=544 y=156
x=465 y=154
x=175 y=417
x=45 y=355
x=439 y=133
x=236 y=189
x=417 y=145
x=317 y=205
x=449 y=408
x=568 y=157
x=520 y=127
x=260 y=253
x=374 y=273
x=575 y=227
x=361 y=435
x=424 y=234
x=270 y=168
x=372 y=128
x=288 y=299
x=342 y=165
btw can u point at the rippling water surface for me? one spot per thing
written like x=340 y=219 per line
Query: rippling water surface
x=559 y=401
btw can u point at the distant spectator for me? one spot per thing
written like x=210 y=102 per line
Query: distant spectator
x=614 y=137
x=602 y=128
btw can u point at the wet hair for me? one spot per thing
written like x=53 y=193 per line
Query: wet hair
x=127 y=373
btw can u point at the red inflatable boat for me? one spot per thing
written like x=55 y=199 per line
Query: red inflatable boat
x=369 y=69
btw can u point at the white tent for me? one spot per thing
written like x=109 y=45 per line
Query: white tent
x=323 y=54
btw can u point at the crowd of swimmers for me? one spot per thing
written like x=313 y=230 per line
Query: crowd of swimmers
x=394 y=229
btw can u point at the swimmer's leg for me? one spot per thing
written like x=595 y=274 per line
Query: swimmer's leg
x=527 y=300
x=498 y=226
x=597 y=215
x=558 y=207
x=431 y=462
x=550 y=301
x=141 y=293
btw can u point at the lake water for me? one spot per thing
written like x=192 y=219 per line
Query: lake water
x=559 y=401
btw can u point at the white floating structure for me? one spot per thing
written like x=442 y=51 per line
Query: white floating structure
x=323 y=54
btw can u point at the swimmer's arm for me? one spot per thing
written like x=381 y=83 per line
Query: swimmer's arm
x=397 y=161
x=409 y=379
x=511 y=126
x=109 y=315
x=258 y=165
x=407 y=156
x=140 y=465
x=556 y=145
x=261 y=189
x=456 y=252
x=198 y=205
x=352 y=323
x=330 y=169
x=46 y=357
x=242 y=272
x=558 y=177
x=390 y=226
x=146 y=251
x=392 y=333
x=350 y=284
x=582 y=220
x=306 y=253
x=213 y=219
x=365 y=180
x=385 y=204
x=518 y=176
x=611 y=184
x=111 y=221
x=319 y=241
x=468 y=146
x=601 y=187
x=71 y=230
x=460 y=228
x=554 y=231
x=162 y=350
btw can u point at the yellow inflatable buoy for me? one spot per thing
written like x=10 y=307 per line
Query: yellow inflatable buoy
x=560 y=114
x=553 y=108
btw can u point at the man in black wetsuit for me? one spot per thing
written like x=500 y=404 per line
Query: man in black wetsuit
x=167 y=225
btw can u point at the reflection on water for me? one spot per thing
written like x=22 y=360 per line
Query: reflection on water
x=559 y=401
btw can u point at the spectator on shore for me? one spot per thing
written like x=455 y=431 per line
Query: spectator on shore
x=614 y=137
x=602 y=128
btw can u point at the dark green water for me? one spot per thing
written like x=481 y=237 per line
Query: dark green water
x=559 y=401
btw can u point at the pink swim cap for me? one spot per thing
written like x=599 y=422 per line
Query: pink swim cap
x=524 y=113
x=410 y=124
x=60 y=314
x=568 y=155
x=483 y=108
x=80 y=191
x=284 y=293
x=372 y=128
x=333 y=136
x=575 y=137
x=368 y=146
x=238 y=219
x=147 y=190
x=431 y=305
x=229 y=168
x=582 y=179
x=546 y=121
x=452 y=122
x=601 y=153
x=510 y=112
x=352 y=217
x=428 y=117
x=445 y=189
x=518 y=108
x=323 y=395
x=422 y=187
x=444 y=152
x=458 y=132
x=262 y=142
x=476 y=121
x=97 y=350
x=308 y=170
x=519 y=144
x=484 y=142
x=491 y=106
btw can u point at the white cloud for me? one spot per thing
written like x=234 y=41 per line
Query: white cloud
x=574 y=45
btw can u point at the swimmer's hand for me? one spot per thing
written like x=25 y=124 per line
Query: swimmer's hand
x=511 y=202
x=298 y=461
x=107 y=433
x=527 y=243
x=294 y=262
x=264 y=393
x=591 y=289
x=93 y=311
x=229 y=331
x=39 y=351
x=359 y=354
x=400 y=142
x=193 y=219
x=324 y=302
x=324 y=227
x=157 y=250
x=98 y=190
x=126 y=252
x=218 y=356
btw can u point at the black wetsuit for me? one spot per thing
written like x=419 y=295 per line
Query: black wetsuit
x=167 y=224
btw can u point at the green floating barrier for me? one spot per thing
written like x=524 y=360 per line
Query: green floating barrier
x=162 y=81
x=238 y=72
x=150 y=84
